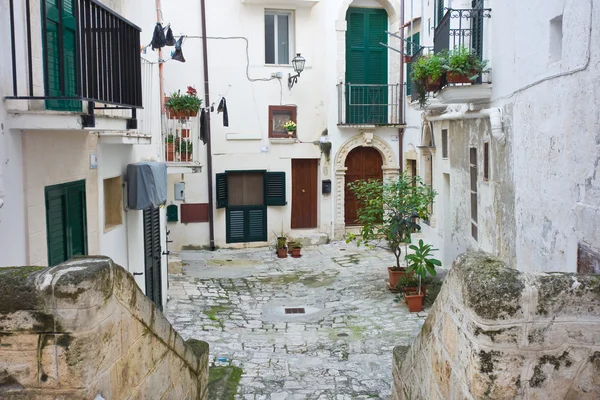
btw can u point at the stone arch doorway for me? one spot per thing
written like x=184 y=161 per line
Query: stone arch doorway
x=389 y=170
x=362 y=163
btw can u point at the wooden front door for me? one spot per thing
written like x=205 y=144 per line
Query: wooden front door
x=304 y=193
x=362 y=163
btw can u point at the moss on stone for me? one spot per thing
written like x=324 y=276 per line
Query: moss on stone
x=487 y=360
x=199 y=347
x=595 y=360
x=223 y=382
x=492 y=333
x=539 y=376
x=21 y=272
x=491 y=289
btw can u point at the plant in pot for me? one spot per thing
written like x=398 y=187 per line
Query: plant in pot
x=185 y=150
x=421 y=263
x=429 y=70
x=464 y=66
x=170 y=147
x=387 y=214
x=295 y=248
x=281 y=243
x=183 y=106
x=290 y=127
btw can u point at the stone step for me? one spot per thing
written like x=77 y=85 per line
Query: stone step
x=312 y=239
x=175 y=266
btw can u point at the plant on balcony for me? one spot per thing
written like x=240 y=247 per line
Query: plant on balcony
x=171 y=144
x=186 y=149
x=387 y=212
x=421 y=263
x=427 y=73
x=183 y=106
x=464 y=66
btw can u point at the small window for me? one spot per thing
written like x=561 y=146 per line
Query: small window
x=486 y=161
x=444 y=143
x=246 y=188
x=278 y=116
x=278 y=30
x=113 y=203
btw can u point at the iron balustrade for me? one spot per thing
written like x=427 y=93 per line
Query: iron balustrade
x=107 y=57
x=370 y=104
x=461 y=28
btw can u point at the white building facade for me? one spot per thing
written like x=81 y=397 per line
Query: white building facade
x=514 y=157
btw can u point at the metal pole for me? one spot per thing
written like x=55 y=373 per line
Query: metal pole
x=160 y=63
x=13 y=46
x=211 y=216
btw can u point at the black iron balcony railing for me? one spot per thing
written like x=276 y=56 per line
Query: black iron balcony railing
x=91 y=54
x=370 y=104
x=461 y=28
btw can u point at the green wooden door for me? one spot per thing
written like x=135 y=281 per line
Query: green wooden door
x=66 y=222
x=366 y=66
x=60 y=28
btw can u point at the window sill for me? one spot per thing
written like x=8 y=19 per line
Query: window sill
x=283 y=140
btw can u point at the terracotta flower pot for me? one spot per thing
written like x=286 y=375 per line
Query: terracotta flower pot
x=414 y=289
x=432 y=86
x=454 y=77
x=394 y=276
x=193 y=113
x=414 y=301
x=186 y=156
x=282 y=252
x=185 y=133
x=170 y=151
x=296 y=253
x=407 y=59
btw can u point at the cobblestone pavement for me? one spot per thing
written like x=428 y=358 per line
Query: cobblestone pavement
x=341 y=348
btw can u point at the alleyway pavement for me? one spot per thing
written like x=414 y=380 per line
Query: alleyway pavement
x=340 y=348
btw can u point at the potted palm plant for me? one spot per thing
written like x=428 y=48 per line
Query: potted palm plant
x=295 y=248
x=464 y=66
x=387 y=212
x=185 y=150
x=183 y=106
x=281 y=243
x=420 y=263
x=170 y=146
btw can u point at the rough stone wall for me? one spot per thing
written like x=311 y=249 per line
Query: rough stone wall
x=84 y=328
x=497 y=333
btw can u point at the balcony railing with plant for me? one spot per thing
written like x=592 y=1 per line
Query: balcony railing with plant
x=370 y=104
x=181 y=128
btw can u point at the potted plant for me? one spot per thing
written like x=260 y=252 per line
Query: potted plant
x=185 y=150
x=464 y=66
x=428 y=71
x=295 y=248
x=281 y=244
x=387 y=212
x=185 y=133
x=182 y=106
x=421 y=263
x=170 y=147
x=290 y=127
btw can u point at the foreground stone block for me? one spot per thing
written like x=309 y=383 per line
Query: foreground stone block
x=497 y=333
x=84 y=328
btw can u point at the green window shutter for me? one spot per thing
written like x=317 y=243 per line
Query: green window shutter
x=221 y=183
x=56 y=226
x=257 y=224
x=413 y=48
x=76 y=220
x=440 y=11
x=275 y=188
x=61 y=24
x=236 y=225
x=477 y=27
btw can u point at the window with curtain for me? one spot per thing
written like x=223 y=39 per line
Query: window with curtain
x=278 y=34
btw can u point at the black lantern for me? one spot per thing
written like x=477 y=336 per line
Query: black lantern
x=298 y=64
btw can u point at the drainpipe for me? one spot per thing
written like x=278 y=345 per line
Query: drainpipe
x=211 y=214
x=403 y=95
x=494 y=114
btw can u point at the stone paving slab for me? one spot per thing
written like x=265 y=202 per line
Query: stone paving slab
x=341 y=348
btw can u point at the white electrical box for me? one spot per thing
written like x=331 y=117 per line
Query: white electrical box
x=180 y=191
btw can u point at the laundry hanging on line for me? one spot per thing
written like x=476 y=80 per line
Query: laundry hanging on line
x=204 y=126
x=170 y=39
x=158 y=37
x=177 y=55
x=223 y=108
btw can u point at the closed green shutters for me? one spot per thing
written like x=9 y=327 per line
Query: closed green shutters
x=60 y=29
x=440 y=11
x=412 y=48
x=66 y=221
x=152 y=256
x=366 y=64
x=477 y=28
x=245 y=195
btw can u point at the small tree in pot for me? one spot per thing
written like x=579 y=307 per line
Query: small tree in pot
x=388 y=212
x=421 y=263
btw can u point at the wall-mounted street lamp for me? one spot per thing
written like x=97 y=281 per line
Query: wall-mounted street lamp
x=298 y=64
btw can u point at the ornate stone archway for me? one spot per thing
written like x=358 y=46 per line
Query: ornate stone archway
x=390 y=170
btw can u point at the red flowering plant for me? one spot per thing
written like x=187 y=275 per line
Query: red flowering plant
x=187 y=104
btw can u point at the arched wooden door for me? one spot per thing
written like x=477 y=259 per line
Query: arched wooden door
x=362 y=163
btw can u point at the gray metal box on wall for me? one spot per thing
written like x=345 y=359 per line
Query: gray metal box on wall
x=180 y=191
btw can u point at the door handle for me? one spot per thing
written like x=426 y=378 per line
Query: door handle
x=138 y=273
x=303 y=191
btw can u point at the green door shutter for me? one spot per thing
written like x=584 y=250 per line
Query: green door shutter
x=236 y=224
x=412 y=48
x=221 y=183
x=257 y=224
x=275 y=187
x=366 y=63
x=66 y=225
x=60 y=30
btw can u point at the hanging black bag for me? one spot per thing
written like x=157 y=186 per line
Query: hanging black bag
x=158 y=37
x=177 y=55
x=170 y=40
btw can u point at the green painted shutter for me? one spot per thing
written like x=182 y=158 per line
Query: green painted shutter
x=66 y=221
x=257 y=224
x=440 y=11
x=61 y=30
x=275 y=187
x=366 y=63
x=412 y=48
x=236 y=224
x=246 y=224
x=477 y=27
x=221 y=183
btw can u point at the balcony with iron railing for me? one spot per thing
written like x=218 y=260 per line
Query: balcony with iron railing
x=181 y=143
x=458 y=29
x=78 y=56
x=370 y=104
